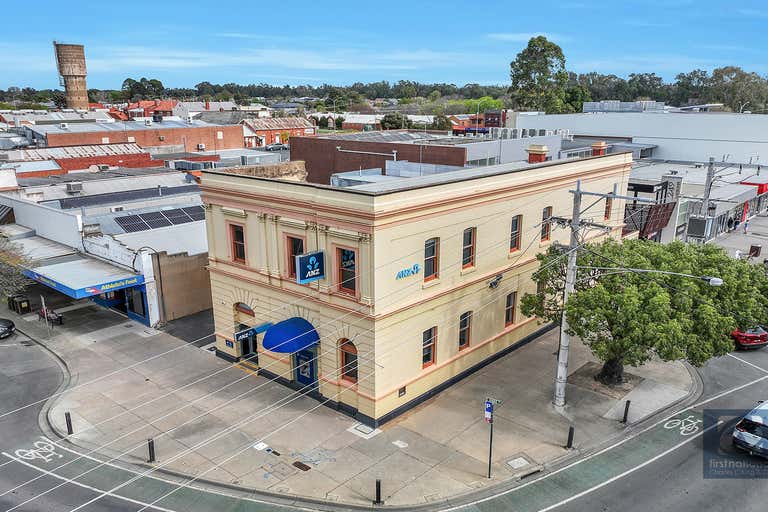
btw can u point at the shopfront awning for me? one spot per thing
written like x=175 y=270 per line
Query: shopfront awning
x=83 y=277
x=290 y=336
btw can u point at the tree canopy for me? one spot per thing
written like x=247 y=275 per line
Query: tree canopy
x=539 y=76
x=626 y=318
x=12 y=260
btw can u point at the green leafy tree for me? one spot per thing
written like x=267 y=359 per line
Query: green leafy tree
x=440 y=122
x=626 y=318
x=575 y=96
x=395 y=121
x=539 y=77
x=483 y=104
x=338 y=122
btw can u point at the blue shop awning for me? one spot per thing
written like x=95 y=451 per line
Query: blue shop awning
x=290 y=336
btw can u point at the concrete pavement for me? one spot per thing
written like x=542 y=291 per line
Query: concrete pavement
x=436 y=451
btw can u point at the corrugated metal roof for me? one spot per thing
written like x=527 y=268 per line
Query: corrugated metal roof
x=74 y=152
x=277 y=123
x=117 y=126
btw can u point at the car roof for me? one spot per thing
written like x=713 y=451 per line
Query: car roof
x=5 y=321
x=759 y=414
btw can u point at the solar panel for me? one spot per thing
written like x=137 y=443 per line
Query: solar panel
x=131 y=223
x=177 y=216
x=155 y=219
x=195 y=212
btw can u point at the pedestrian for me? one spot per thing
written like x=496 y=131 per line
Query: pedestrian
x=746 y=226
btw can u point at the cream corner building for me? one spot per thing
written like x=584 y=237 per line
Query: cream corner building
x=422 y=281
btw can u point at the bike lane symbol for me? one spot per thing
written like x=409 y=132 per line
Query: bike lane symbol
x=687 y=426
x=44 y=450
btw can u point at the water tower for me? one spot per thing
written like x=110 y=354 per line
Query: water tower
x=70 y=61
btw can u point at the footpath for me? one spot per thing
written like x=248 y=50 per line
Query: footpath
x=233 y=429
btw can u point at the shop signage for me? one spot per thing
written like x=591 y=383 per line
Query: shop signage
x=310 y=267
x=408 y=272
x=251 y=331
x=88 y=291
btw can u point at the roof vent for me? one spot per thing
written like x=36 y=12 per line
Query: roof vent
x=63 y=126
x=148 y=122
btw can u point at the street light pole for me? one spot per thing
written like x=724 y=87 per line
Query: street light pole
x=570 y=278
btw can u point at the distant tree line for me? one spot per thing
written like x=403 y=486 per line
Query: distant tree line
x=539 y=81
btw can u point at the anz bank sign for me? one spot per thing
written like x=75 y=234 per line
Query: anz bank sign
x=408 y=272
x=310 y=267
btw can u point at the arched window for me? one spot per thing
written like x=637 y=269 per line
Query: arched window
x=348 y=360
x=244 y=308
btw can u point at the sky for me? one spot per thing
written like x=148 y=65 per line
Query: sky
x=184 y=42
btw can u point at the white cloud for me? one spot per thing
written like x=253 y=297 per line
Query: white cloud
x=524 y=37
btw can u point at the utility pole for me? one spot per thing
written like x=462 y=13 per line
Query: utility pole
x=570 y=278
x=576 y=223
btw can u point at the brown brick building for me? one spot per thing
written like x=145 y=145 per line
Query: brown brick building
x=325 y=156
x=194 y=136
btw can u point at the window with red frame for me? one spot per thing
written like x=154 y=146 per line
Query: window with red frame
x=465 y=327
x=295 y=247
x=468 y=248
x=608 y=208
x=348 y=361
x=428 y=346
x=237 y=238
x=431 y=259
x=509 y=309
x=514 y=234
x=546 y=228
x=346 y=270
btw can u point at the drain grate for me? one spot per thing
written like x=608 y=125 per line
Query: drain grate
x=301 y=466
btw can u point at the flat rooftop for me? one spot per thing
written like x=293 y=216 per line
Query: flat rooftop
x=117 y=126
x=695 y=173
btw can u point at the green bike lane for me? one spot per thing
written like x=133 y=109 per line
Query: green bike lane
x=143 y=488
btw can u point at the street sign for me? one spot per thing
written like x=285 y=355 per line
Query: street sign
x=488 y=411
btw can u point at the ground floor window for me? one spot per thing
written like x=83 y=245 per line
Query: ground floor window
x=465 y=326
x=348 y=361
x=136 y=301
x=428 y=345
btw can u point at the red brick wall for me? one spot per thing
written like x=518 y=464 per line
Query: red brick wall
x=269 y=136
x=128 y=160
x=189 y=137
x=322 y=159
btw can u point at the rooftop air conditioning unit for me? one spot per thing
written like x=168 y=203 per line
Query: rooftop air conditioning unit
x=201 y=147
x=63 y=126
x=190 y=119
x=74 y=187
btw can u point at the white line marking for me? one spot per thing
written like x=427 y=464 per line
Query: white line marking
x=611 y=447
x=629 y=471
x=84 y=486
x=748 y=363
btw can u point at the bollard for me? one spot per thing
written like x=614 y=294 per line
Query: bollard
x=570 y=437
x=68 y=419
x=378 y=501
x=151 y=446
x=626 y=411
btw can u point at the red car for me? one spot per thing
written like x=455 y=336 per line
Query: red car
x=756 y=337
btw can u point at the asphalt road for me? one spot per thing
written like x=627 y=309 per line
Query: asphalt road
x=659 y=467
x=29 y=374
x=677 y=481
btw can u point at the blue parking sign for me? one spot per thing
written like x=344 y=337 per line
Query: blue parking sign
x=488 y=411
x=310 y=267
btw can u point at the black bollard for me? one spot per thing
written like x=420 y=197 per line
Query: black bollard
x=378 y=501
x=626 y=411
x=570 y=437
x=151 y=446
x=68 y=419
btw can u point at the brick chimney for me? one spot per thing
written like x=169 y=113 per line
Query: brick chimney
x=537 y=153
x=599 y=148
x=207 y=105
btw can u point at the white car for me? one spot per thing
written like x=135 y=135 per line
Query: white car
x=751 y=432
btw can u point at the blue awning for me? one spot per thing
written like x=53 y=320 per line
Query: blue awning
x=290 y=336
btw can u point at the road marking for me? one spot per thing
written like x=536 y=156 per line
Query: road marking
x=748 y=363
x=611 y=447
x=629 y=471
x=687 y=426
x=85 y=486
x=44 y=450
